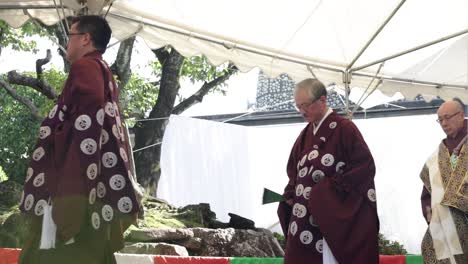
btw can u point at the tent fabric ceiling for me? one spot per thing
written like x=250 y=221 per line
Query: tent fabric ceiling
x=296 y=37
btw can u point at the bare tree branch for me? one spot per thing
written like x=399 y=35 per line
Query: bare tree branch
x=21 y=99
x=41 y=62
x=38 y=85
x=206 y=87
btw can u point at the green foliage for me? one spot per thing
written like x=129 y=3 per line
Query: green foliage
x=138 y=97
x=387 y=247
x=18 y=129
x=17 y=38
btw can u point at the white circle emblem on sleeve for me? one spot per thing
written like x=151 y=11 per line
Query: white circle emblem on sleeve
x=39 y=180
x=95 y=220
x=371 y=195
x=299 y=189
x=39 y=208
x=44 y=132
x=313 y=154
x=303 y=172
x=109 y=160
x=29 y=174
x=299 y=210
x=109 y=108
x=123 y=154
x=101 y=190
x=92 y=196
x=293 y=228
x=323 y=139
x=332 y=125
x=319 y=246
x=311 y=221
x=339 y=167
x=107 y=213
x=125 y=205
x=306 y=237
x=83 y=122
x=92 y=171
x=38 y=153
x=104 y=137
x=317 y=175
x=88 y=146
x=327 y=160
x=117 y=182
x=28 y=203
x=53 y=111
x=306 y=192
x=303 y=160
x=115 y=131
x=61 y=115
x=100 y=117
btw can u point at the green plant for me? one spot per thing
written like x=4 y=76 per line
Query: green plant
x=388 y=247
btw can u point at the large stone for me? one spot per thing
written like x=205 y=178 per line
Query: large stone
x=160 y=234
x=193 y=243
x=240 y=222
x=10 y=193
x=155 y=249
x=238 y=243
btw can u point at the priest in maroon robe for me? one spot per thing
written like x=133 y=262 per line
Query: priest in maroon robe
x=444 y=198
x=329 y=214
x=79 y=191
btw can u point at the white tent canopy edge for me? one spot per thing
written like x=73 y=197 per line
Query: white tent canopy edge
x=410 y=73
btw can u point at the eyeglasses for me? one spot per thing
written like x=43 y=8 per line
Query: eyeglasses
x=446 y=117
x=302 y=106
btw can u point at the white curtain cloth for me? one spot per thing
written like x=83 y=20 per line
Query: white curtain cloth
x=228 y=166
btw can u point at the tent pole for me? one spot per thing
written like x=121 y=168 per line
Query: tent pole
x=347 y=81
x=375 y=35
x=410 y=50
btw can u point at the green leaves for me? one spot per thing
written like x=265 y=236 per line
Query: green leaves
x=17 y=39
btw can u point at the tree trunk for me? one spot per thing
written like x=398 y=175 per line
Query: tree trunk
x=151 y=132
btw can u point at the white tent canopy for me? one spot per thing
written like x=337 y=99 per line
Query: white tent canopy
x=338 y=41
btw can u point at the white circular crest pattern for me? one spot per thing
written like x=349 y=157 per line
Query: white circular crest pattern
x=104 y=137
x=339 y=167
x=95 y=220
x=39 y=208
x=306 y=192
x=38 y=153
x=44 y=132
x=109 y=159
x=313 y=154
x=88 y=146
x=29 y=174
x=303 y=172
x=319 y=246
x=115 y=131
x=371 y=195
x=306 y=237
x=92 y=196
x=327 y=160
x=123 y=154
x=299 y=189
x=317 y=175
x=92 y=171
x=100 y=117
x=83 y=122
x=101 y=190
x=332 y=125
x=117 y=182
x=299 y=210
x=28 y=203
x=311 y=221
x=125 y=204
x=53 y=111
x=39 y=180
x=293 y=228
x=107 y=213
x=109 y=108
x=303 y=160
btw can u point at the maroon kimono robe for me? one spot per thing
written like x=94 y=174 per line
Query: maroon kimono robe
x=80 y=163
x=331 y=183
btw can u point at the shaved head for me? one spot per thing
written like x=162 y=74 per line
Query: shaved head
x=451 y=117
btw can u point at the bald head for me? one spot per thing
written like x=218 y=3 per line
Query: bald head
x=451 y=117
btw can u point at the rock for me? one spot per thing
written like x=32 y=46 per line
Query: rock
x=193 y=243
x=10 y=193
x=240 y=222
x=159 y=234
x=155 y=249
x=238 y=243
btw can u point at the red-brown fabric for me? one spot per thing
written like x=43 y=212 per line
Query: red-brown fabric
x=80 y=163
x=189 y=260
x=331 y=182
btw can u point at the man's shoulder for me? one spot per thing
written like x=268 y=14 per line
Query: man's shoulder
x=84 y=63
